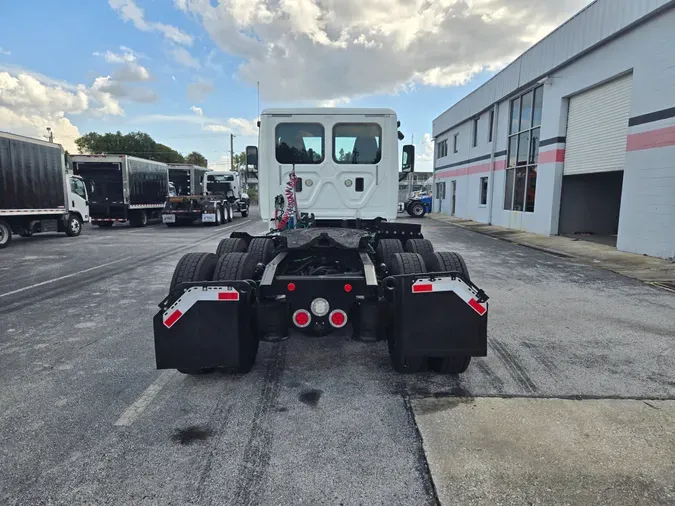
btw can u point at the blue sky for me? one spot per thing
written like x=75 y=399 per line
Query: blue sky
x=185 y=71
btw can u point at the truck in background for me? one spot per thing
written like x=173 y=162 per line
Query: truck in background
x=123 y=188
x=203 y=196
x=37 y=192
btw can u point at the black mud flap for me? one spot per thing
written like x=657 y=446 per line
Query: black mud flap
x=203 y=325
x=437 y=315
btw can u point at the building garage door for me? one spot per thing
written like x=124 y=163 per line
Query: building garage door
x=597 y=125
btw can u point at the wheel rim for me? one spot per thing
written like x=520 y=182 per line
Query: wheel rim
x=3 y=235
x=418 y=210
x=75 y=225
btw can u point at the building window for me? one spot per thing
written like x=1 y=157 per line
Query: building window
x=454 y=143
x=475 y=132
x=483 y=191
x=523 y=156
x=491 y=124
x=442 y=149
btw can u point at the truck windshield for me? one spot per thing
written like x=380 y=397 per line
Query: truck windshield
x=299 y=143
x=217 y=183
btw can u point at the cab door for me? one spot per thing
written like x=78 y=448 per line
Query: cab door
x=339 y=162
x=79 y=202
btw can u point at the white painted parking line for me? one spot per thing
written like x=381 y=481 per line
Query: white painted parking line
x=42 y=283
x=135 y=410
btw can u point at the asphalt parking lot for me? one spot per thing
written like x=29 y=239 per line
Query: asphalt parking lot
x=86 y=418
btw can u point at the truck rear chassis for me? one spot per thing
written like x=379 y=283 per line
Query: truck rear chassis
x=383 y=285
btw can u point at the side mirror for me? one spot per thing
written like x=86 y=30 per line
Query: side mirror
x=408 y=161
x=252 y=156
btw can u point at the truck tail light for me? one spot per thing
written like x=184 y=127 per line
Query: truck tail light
x=302 y=318
x=338 y=318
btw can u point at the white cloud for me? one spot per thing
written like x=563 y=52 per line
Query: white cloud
x=183 y=56
x=197 y=110
x=199 y=90
x=333 y=102
x=129 y=11
x=35 y=125
x=111 y=57
x=237 y=126
x=6 y=52
x=427 y=145
x=131 y=72
x=326 y=49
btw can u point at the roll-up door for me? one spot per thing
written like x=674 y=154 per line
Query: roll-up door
x=597 y=125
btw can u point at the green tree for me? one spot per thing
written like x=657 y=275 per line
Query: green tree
x=196 y=158
x=239 y=160
x=137 y=144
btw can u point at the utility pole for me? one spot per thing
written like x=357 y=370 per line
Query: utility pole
x=232 y=152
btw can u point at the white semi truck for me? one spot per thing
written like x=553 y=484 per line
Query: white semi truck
x=203 y=196
x=37 y=191
x=335 y=259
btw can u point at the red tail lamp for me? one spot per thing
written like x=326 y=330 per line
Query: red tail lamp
x=348 y=288
x=291 y=287
x=338 y=318
x=302 y=318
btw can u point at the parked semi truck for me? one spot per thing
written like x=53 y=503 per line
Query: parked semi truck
x=37 y=192
x=123 y=188
x=203 y=196
x=335 y=259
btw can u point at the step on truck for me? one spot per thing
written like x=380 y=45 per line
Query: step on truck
x=123 y=188
x=37 y=191
x=336 y=259
x=202 y=196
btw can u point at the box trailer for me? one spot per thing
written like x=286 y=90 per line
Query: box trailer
x=37 y=193
x=123 y=188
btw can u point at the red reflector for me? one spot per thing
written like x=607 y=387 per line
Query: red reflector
x=423 y=288
x=173 y=318
x=228 y=295
x=338 y=318
x=477 y=307
x=348 y=288
x=301 y=318
x=291 y=287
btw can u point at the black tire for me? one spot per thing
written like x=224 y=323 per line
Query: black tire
x=74 y=226
x=229 y=214
x=231 y=245
x=193 y=267
x=385 y=250
x=417 y=210
x=139 y=219
x=219 y=217
x=449 y=365
x=262 y=249
x=443 y=261
x=406 y=263
x=5 y=234
x=422 y=247
x=235 y=267
x=244 y=214
x=105 y=224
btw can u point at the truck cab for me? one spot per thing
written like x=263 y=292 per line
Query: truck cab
x=345 y=161
x=78 y=198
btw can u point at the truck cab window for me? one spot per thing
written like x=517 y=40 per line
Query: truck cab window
x=77 y=187
x=299 y=143
x=357 y=143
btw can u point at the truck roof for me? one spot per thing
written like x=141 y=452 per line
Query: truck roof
x=116 y=156
x=186 y=166
x=24 y=138
x=323 y=111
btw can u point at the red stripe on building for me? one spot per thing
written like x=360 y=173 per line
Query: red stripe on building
x=659 y=138
x=552 y=156
x=500 y=164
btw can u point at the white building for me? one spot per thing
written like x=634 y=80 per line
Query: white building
x=575 y=136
